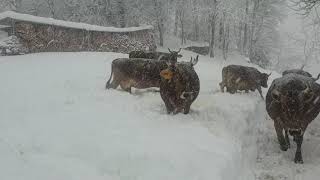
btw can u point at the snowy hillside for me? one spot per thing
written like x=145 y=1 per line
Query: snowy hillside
x=58 y=122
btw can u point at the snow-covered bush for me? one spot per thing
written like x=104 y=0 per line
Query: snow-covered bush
x=12 y=46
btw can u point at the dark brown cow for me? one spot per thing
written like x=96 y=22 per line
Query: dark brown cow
x=138 y=73
x=171 y=56
x=293 y=101
x=179 y=86
x=236 y=77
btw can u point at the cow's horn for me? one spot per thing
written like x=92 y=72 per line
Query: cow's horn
x=269 y=74
x=179 y=50
x=169 y=50
x=182 y=95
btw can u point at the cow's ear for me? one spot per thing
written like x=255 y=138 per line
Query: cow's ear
x=195 y=61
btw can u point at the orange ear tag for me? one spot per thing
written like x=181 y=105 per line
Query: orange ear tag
x=166 y=74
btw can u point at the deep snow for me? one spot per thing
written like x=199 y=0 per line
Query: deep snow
x=58 y=122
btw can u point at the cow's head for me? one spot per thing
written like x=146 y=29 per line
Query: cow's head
x=174 y=55
x=264 y=79
x=172 y=68
x=292 y=98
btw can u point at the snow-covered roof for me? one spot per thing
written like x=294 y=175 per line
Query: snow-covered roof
x=3 y=26
x=68 y=24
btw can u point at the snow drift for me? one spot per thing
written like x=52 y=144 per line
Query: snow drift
x=58 y=122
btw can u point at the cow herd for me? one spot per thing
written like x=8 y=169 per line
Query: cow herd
x=292 y=101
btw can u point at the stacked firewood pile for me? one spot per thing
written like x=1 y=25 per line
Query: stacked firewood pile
x=12 y=46
x=121 y=43
x=47 y=38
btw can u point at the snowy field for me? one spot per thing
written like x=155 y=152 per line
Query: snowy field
x=58 y=122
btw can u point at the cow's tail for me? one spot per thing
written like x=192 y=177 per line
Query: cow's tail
x=108 y=82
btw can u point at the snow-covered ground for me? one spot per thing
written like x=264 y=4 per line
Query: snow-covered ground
x=58 y=122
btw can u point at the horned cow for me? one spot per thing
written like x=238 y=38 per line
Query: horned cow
x=171 y=56
x=236 y=77
x=179 y=86
x=136 y=72
x=293 y=101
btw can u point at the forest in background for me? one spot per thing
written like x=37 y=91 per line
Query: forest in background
x=252 y=27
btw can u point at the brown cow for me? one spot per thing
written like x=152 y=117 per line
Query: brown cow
x=138 y=73
x=293 y=101
x=236 y=77
x=179 y=86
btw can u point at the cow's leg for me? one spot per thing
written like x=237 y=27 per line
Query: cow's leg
x=114 y=84
x=222 y=85
x=298 y=157
x=125 y=86
x=260 y=92
x=287 y=138
x=186 y=108
x=232 y=90
x=281 y=139
x=229 y=89
x=169 y=106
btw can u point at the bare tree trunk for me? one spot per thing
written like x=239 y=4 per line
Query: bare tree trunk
x=196 y=28
x=213 y=29
x=19 y=6
x=160 y=27
x=195 y=21
x=176 y=21
x=51 y=8
x=182 y=32
x=226 y=41
x=225 y=38
x=158 y=9
x=181 y=17
x=253 y=26
x=221 y=32
x=122 y=15
x=245 y=35
x=239 y=44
